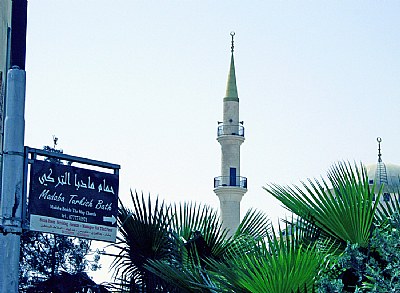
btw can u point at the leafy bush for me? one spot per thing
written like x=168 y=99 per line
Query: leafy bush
x=372 y=269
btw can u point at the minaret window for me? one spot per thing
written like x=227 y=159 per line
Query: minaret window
x=232 y=177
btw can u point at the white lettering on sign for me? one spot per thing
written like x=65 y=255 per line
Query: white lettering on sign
x=72 y=228
x=102 y=206
x=74 y=199
x=51 y=197
x=65 y=179
x=46 y=178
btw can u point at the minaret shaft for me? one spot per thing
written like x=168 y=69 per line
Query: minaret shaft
x=231 y=113
x=230 y=157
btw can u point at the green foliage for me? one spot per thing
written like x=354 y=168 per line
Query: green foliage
x=144 y=236
x=255 y=224
x=194 y=273
x=192 y=221
x=375 y=269
x=188 y=235
x=387 y=210
x=202 y=258
x=343 y=208
x=281 y=264
x=382 y=273
x=339 y=240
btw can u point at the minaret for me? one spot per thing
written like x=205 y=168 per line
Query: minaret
x=230 y=186
x=381 y=177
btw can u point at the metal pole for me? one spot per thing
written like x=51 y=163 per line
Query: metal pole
x=13 y=153
x=12 y=180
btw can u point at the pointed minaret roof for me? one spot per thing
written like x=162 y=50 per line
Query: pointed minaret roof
x=231 y=89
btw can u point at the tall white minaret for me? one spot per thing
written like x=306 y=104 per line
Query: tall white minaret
x=230 y=186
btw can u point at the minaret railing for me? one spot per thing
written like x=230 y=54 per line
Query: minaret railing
x=237 y=181
x=227 y=129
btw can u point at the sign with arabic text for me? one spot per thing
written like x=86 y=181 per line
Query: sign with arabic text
x=73 y=201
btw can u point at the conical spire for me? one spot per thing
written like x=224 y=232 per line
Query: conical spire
x=231 y=89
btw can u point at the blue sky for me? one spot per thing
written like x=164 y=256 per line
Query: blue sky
x=141 y=83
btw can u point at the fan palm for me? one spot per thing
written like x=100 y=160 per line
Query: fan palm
x=343 y=209
x=282 y=263
x=198 y=226
x=180 y=238
x=194 y=274
x=144 y=235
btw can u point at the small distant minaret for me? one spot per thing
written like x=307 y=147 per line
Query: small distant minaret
x=230 y=186
x=380 y=173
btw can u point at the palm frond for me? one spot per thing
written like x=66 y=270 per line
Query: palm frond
x=189 y=278
x=387 y=208
x=144 y=235
x=191 y=219
x=281 y=264
x=307 y=233
x=344 y=209
x=254 y=224
x=254 y=227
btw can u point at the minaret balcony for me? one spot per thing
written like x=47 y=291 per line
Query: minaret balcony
x=227 y=129
x=237 y=181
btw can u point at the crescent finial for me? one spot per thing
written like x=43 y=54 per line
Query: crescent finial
x=232 y=42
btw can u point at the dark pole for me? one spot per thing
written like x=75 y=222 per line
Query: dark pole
x=18 y=33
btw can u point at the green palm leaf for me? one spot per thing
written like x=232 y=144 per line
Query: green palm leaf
x=191 y=219
x=190 y=277
x=386 y=209
x=201 y=236
x=193 y=274
x=282 y=264
x=144 y=235
x=255 y=224
x=344 y=209
x=254 y=227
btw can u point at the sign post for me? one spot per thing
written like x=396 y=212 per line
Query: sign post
x=12 y=181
